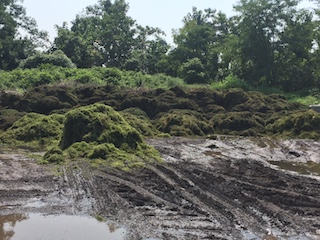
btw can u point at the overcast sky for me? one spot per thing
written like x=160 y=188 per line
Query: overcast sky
x=165 y=14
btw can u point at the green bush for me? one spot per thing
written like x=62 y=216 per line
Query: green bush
x=231 y=81
x=193 y=71
x=50 y=74
x=54 y=155
x=57 y=58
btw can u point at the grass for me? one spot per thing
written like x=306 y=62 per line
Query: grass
x=306 y=100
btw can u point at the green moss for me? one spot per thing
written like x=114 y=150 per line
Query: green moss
x=297 y=124
x=43 y=99
x=178 y=122
x=34 y=130
x=101 y=151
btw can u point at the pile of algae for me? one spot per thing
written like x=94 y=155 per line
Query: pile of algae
x=301 y=124
x=34 y=131
x=174 y=112
x=99 y=133
x=96 y=132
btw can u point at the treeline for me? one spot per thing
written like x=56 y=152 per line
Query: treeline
x=271 y=43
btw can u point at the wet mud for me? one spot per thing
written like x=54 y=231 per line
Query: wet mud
x=228 y=188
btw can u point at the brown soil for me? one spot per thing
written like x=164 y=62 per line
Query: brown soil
x=229 y=188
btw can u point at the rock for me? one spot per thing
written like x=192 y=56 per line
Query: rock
x=315 y=107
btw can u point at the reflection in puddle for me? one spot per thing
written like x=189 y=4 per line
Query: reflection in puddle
x=36 y=226
x=309 y=168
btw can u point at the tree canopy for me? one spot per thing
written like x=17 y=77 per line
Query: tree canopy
x=105 y=35
x=13 y=45
x=271 y=43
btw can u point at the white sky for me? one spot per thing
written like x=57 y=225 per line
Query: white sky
x=165 y=14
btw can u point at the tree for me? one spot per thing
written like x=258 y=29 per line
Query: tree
x=13 y=46
x=275 y=40
x=200 y=38
x=77 y=47
x=293 y=62
x=148 y=51
x=105 y=35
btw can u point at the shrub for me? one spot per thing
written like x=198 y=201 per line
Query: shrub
x=57 y=58
x=193 y=71
x=54 y=155
x=140 y=121
x=231 y=81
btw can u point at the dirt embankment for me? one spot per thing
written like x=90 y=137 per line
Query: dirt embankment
x=229 y=188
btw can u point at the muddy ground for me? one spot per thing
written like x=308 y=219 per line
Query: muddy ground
x=228 y=188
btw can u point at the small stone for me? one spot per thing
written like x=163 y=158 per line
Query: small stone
x=318 y=232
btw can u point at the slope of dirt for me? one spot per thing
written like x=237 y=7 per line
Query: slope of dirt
x=229 y=188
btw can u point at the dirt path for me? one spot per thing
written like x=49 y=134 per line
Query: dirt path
x=205 y=189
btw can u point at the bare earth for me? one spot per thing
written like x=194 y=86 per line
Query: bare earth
x=229 y=188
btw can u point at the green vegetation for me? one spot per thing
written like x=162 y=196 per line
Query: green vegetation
x=267 y=44
x=57 y=58
x=50 y=74
x=8 y=117
x=13 y=46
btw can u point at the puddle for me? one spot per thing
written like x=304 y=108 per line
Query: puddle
x=52 y=227
x=309 y=168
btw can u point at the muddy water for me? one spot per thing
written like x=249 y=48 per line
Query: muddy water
x=52 y=227
x=309 y=168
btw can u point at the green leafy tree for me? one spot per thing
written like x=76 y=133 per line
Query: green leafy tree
x=77 y=47
x=200 y=38
x=105 y=35
x=148 y=51
x=13 y=46
x=293 y=63
x=274 y=44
